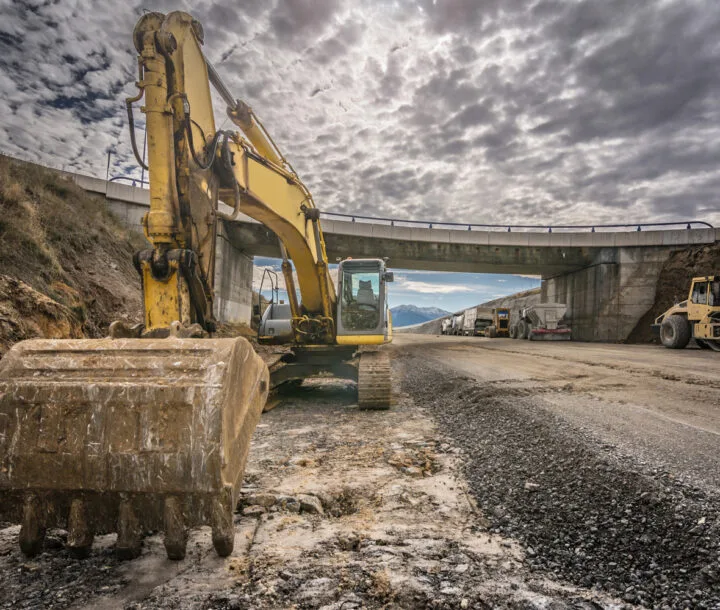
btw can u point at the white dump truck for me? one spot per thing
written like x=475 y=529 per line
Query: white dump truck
x=446 y=326
x=542 y=322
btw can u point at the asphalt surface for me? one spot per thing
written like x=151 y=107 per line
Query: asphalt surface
x=601 y=460
x=661 y=406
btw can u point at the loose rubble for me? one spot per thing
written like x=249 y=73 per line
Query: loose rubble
x=341 y=509
x=582 y=512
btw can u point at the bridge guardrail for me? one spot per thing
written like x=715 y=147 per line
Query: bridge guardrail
x=136 y=182
x=549 y=228
x=634 y=226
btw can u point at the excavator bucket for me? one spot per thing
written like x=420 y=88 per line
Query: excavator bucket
x=126 y=436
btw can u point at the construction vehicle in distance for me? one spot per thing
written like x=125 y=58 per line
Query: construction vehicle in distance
x=478 y=322
x=697 y=318
x=542 y=322
x=499 y=323
x=149 y=429
x=469 y=318
x=456 y=325
x=475 y=321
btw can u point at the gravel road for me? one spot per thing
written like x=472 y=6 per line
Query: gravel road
x=508 y=475
x=601 y=459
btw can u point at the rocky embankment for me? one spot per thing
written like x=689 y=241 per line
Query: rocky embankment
x=65 y=262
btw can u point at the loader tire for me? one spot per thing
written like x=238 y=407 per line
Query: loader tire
x=491 y=332
x=675 y=332
x=714 y=345
x=522 y=330
x=702 y=344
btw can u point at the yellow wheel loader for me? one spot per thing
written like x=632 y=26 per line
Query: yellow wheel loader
x=149 y=429
x=696 y=318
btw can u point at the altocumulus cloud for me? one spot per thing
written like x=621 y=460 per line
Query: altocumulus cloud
x=493 y=111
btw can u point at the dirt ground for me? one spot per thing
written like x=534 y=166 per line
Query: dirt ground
x=341 y=509
x=602 y=459
x=509 y=475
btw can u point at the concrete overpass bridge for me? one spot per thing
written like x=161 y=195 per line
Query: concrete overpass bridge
x=606 y=274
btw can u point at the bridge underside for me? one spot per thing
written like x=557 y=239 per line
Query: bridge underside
x=430 y=256
x=608 y=287
x=608 y=279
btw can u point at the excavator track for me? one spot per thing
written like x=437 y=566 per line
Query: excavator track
x=374 y=381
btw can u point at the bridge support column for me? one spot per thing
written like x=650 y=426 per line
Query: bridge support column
x=607 y=299
x=233 y=281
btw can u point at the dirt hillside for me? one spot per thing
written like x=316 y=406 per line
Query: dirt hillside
x=674 y=284
x=65 y=262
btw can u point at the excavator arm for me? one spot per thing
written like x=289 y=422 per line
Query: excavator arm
x=193 y=166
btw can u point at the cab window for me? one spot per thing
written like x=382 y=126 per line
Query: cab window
x=360 y=305
x=714 y=293
x=699 y=295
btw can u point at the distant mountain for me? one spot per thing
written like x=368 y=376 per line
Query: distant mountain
x=406 y=315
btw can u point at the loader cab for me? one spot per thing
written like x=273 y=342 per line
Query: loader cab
x=502 y=321
x=362 y=315
x=704 y=297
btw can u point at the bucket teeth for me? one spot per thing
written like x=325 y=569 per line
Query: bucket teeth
x=80 y=536
x=175 y=531
x=126 y=435
x=32 y=531
x=129 y=538
x=223 y=531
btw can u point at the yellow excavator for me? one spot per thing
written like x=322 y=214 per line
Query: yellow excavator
x=149 y=428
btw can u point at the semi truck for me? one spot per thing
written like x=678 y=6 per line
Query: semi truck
x=478 y=322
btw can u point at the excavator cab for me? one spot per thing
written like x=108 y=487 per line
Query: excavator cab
x=363 y=316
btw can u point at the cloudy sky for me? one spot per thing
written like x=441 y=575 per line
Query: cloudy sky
x=497 y=111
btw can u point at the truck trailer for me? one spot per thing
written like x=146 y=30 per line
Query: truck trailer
x=457 y=324
x=542 y=322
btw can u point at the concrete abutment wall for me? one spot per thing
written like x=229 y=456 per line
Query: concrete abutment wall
x=607 y=299
x=233 y=281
